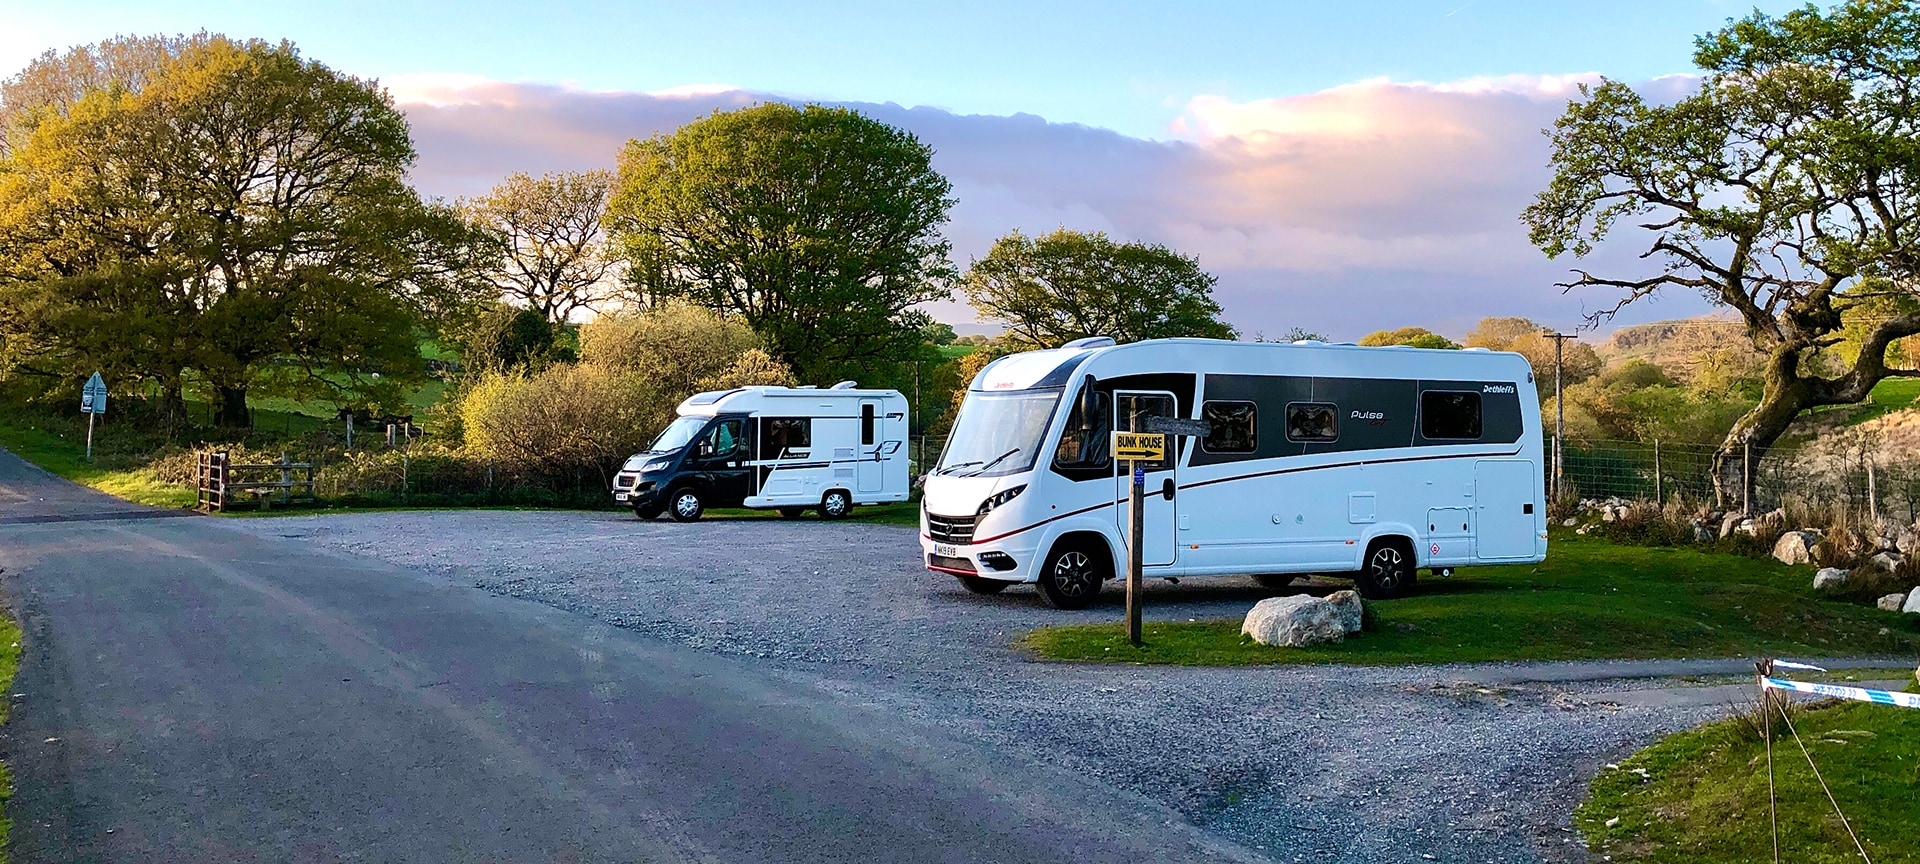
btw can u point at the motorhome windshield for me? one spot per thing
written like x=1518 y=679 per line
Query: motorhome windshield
x=677 y=434
x=998 y=433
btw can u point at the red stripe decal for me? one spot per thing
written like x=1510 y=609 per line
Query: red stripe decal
x=1516 y=451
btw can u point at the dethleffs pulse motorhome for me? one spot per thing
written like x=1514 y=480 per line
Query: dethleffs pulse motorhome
x=1317 y=458
x=789 y=449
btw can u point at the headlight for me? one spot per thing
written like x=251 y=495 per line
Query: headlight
x=999 y=498
x=656 y=465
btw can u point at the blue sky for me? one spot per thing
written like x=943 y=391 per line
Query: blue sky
x=1340 y=166
x=1121 y=64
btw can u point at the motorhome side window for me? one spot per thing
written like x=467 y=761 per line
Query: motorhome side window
x=1449 y=414
x=869 y=418
x=1313 y=421
x=724 y=438
x=1230 y=427
x=785 y=436
x=1084 y=444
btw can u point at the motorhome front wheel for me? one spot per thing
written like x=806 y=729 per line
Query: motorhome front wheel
x=1071 y=577
x=687 y=506
x=836 y=504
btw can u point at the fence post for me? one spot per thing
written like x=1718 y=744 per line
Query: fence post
x=1659 y=488
x=1873 y=496
x=1746 y=476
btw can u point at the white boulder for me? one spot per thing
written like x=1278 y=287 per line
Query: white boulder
x=1294 y=621
x=1829 y=577
x=1795 y=547
x=1887 y=561
x=1913 y=602
x=1891 y=602
x=1352 y=612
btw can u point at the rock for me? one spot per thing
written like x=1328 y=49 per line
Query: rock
x=1352 y=612
x=1891 y=602
x=1294 y=621
x=1569 y=522
x=1748 y=527
x=1829 y=577
x=1886 y=561
x=1607 y=515
x=1913 y=602
x=1728 y=522
x=1795 y=547
x=1702 y=534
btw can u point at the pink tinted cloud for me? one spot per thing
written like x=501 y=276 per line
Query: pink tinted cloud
x=1374 y=204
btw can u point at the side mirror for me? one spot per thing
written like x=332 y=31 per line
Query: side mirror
x=1089 y=403
x=703 y=450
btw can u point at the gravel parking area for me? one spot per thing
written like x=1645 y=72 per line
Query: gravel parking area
x=1302 y=763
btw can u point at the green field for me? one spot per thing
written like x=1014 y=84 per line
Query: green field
x=1701 y=797
x=1589 y=600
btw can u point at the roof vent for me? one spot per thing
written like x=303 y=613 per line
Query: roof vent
x=808 y=387
x=846 y=385
x=1090 y=342
x=1308 y=342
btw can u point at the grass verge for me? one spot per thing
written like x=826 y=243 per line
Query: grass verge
x=1589 y=600
x=9 y=663
x=61 y=455
x=1701 y=796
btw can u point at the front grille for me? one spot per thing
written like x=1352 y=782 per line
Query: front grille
x=950 y=563
x=624 y=481
x=957 y=530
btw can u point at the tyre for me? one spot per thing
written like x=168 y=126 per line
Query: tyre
x=792 y=512
x=983 y=585
x=685 y=505
x=1070 y=576
x=1274 y=581
x=647 y=514
x=1387 y=572
x=836 y=504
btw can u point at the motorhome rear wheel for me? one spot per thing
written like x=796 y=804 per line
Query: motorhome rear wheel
x=836 y=504
x=1071 y=575
x=687 y=506
x=983 y=585
x=1388 y=571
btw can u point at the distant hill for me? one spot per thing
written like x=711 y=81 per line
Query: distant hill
x=1676 y=345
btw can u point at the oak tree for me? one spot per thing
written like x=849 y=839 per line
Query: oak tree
x=819 y=227
x=1065 y=285
x=548 y=252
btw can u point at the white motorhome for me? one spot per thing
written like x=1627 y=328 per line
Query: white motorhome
x=789 y=449
x=1317 y=458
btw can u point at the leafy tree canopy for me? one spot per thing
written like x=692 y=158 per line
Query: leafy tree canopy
x=1067 y=285
x=819 y=227
x=547 y=251
x=243 y=214
x=1415 y=337
x=1783 y=188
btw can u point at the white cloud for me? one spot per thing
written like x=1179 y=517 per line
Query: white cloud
x=1371 y=204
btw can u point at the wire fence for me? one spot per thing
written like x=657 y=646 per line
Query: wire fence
x=1859 y=477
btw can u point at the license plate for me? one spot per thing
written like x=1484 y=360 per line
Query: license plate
x=619 y=496
x=946 y=550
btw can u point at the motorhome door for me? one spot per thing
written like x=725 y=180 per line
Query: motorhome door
x=872 y=473
x=1131 y=409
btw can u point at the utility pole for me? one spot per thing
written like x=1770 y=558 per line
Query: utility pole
x=1559 y=407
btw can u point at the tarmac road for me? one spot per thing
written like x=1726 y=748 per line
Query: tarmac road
x=190 y=691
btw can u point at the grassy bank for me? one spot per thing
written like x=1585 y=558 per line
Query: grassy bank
x=9 y=664
x=111 y=471
x=1589 y=600
x=1701 y=796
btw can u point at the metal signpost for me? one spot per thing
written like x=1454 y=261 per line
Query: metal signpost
x=93 y=400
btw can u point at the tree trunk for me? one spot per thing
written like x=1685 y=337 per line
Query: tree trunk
x=232 y=408
x=1737 y=461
